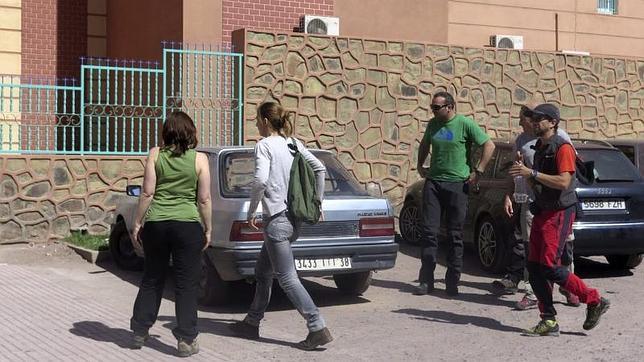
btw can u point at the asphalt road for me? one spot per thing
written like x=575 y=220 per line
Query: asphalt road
x=386 y=323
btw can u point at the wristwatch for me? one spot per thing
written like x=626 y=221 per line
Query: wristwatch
x=478 y=172
x=533 y=173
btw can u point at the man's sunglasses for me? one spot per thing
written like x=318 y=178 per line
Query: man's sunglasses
x=437 y=107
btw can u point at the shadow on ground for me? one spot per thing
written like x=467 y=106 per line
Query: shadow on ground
x=241 y=292
x=119 y=336
x=439 y=316
x=219 y=327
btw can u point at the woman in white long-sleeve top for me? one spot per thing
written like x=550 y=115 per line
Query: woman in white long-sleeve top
x=273 y=160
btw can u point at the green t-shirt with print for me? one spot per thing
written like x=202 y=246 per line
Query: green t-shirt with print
x=450 y=143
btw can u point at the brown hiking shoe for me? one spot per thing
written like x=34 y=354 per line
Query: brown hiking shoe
x=186 y=349
x=315 y=339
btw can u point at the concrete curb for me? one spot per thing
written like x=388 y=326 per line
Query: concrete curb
x=92 y=256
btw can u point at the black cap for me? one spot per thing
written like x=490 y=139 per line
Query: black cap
x=545 y=110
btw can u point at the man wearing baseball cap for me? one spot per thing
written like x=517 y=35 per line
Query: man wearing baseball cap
x=552 y=180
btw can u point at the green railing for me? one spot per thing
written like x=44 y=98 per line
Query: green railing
x=118 y=107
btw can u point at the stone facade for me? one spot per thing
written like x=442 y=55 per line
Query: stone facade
x=44 y=197
x=369 y=99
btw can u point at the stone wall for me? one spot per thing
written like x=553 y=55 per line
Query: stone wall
x=44 y=197
x=369 y=99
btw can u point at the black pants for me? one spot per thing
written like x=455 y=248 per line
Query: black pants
x=184 y=241
x=450 y=198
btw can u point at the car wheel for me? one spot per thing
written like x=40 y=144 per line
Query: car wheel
x=353 y=283
x=122 y=249
x=212 y=289
x=409 y=223
x=490 y=246
x=625 y=261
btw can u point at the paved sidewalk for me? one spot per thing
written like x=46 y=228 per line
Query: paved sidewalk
x=41 y=320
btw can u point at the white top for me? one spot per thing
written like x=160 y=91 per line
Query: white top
x=273 y=160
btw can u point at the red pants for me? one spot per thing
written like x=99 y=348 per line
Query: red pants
x=547 y=240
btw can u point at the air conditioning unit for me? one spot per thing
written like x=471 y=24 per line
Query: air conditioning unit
x=324 y=25
x=506 y=41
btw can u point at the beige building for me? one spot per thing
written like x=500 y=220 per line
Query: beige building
x=599 y=27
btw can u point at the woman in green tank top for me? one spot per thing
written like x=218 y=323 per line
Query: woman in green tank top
x=175 y=199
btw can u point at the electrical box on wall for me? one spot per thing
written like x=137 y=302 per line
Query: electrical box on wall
x=506 y=41
x=324 y=25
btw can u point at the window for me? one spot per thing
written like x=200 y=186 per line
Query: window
x=238 y=169
x=610 y=165
x=506 y=160
x=608 y=7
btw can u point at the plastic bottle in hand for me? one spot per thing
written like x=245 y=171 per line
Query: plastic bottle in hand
x=520 y=190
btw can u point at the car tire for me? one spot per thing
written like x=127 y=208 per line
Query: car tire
x=490 y=246
x=625 y=261
x=212 y=289
x=122 y=250
x=353 y=283
x=409 y=223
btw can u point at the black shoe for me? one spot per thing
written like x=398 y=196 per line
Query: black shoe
x=594 y=313
x=423 y=289
x=315 y=339
x=138 y=340
x=244 y=330
x=451 y=290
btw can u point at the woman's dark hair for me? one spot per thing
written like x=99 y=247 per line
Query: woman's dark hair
x=179 y=133
x=277 y=117
x=448 y=97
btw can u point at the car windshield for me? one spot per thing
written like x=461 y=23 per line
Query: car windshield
x=610 y=165
x=239 y=166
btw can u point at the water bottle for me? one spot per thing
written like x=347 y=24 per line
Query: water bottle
x=520 y=192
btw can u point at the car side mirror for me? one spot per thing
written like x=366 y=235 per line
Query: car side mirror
x=133 y=190
x=373 y=189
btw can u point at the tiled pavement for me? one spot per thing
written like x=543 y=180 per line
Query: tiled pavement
x=41 y=320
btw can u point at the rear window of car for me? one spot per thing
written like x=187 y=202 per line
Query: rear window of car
x=628 y=151
x=610 y=165
x=239 y=168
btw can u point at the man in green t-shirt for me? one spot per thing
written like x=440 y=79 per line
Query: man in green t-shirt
x=450 y=137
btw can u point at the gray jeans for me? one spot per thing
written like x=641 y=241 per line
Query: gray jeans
x=276 y=259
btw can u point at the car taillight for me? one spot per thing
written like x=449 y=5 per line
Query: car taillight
x=377 y=226
x=241 y=231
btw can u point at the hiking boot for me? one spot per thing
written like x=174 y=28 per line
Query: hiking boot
x=423 y=289
x=138 y=340
x=244 y=329
x=186 y=349
x=594 y=313
x=545 y=328
x=528 y=301
x=507 y=285
x=315 y=339
x=571 y=299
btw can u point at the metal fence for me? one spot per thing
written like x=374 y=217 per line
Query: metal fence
x=118 y=107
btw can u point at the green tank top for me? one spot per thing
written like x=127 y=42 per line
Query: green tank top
x=175 y=197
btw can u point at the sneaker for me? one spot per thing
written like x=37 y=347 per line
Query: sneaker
x=138 y=340
x=545 y=328
x=594 y=313
x=244 y=329
x=315 y=339
x=528 y=301
x=423 y=289
x=507 y=285
x=186 y=348
x=571 y=299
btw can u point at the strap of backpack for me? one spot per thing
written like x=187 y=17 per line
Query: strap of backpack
x=293 y=146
